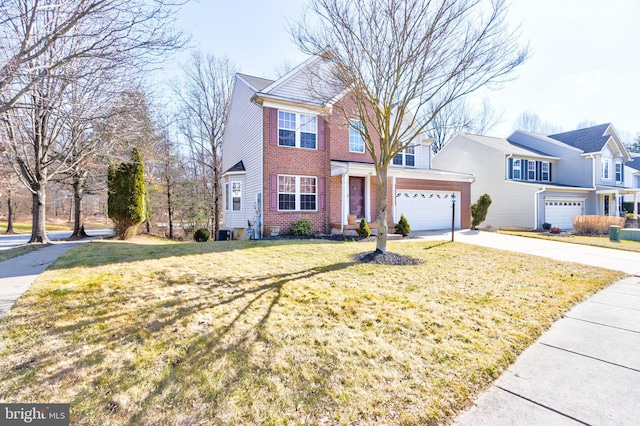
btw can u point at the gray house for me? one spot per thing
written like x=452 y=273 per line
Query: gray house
x=534 y=179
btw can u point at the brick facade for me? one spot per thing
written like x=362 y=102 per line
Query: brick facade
x=317 y=162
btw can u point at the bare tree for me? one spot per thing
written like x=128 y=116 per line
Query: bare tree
x=531 y=122
x=45 y=46
x=204 y=94
x=134 y=32
x=458 y=117
x=635 y=145
x=398 y=58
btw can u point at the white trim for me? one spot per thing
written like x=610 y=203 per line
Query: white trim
x=298 y=194
x=292 y=73
x=364 y=169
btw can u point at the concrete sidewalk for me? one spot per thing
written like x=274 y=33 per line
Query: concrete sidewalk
x=17 y=274
x=586 y=368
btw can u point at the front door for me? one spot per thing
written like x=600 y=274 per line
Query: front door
x=606 y=205
x=356 y=196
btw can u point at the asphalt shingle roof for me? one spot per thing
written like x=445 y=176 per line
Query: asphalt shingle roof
x=238 y=167
x=635 y=162
x=257 y=82
x=591 y=139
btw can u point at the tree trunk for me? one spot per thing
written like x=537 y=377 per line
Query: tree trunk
x=78 y=216
x=38 y=210
x=383 y=228
x=169 y=209
x=9 y=213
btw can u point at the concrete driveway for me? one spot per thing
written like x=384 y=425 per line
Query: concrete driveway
x=618 y=260
x=585 y=370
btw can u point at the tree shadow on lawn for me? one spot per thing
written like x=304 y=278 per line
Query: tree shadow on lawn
x=110 y=252
x=242 y=311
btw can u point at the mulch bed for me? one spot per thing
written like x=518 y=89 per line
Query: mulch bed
x=387 y=258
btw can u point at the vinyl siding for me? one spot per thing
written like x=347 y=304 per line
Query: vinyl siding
x=573 y=169
x=512 y=202
x=243 y=142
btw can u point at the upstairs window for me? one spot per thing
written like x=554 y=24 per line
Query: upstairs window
x=406 y=158
x=516 y=169
x=545 y=169
x=356 y=143
x=531 y=175
x=619 y=176
x=606 y=168
x=297 y=130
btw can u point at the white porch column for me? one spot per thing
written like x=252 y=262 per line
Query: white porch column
x=367 y=198
x=345 y=200
x=635 y=205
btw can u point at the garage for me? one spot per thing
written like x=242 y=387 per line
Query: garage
x=560 y=213
x=427 y=210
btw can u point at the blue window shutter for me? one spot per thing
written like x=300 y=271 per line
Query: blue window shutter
x=539 y=170
x=525 y=170
x=549 y=171
x=510 y=168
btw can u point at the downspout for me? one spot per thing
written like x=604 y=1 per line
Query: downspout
x=535 y=207
x=506 y=166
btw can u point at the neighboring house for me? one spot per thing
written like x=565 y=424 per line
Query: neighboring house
x=287 y=156
x=632 y=179
x=534 y=179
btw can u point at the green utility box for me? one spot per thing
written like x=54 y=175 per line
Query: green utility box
x=614 y=233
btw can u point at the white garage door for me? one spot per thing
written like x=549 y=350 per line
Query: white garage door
x=560 y=213
x=427 y=210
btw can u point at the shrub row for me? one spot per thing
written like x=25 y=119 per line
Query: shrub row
x=595 y=225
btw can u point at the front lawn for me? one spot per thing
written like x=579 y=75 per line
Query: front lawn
x=601 y=241
x=277 y=332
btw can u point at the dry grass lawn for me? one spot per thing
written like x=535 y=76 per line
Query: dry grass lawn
x=584 y=240
x=277 y=332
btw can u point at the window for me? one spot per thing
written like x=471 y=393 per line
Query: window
x=606 y=168
x=297 y=192
x=226 y=197
x=236 y=196
x=545 y=168
x=291 y=134
x=531 y=170
x=618 y=172
x=406 y=158
x=516 y=169
x=356 y=143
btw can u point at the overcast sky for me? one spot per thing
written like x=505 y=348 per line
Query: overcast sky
x=585 y=63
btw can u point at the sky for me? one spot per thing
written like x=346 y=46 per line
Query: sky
x=584 y=65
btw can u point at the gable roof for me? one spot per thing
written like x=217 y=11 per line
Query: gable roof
x=257 y=82
x=591 y=139
x=507 y=147
x=238 y=167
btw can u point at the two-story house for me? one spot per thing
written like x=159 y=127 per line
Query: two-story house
x=632 y=181
x=287 y=155
x=534 y=179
